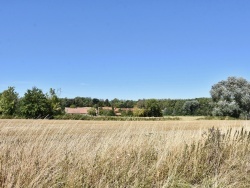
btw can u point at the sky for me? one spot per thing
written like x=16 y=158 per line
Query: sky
x=126 y=49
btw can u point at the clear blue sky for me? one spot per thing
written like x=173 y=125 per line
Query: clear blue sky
x=128 y=49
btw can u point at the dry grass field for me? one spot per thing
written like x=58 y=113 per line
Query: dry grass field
x=185 y=153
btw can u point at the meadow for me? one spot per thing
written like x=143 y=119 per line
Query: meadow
x=181 y=153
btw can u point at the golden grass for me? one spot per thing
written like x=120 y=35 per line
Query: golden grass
x=55 y=153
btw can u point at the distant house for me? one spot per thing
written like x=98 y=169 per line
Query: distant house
x=79 y=110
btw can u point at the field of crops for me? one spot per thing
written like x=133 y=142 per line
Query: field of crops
x=184 y=153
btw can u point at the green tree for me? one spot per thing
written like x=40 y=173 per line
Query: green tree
x=104 y=112
x=190 y=107
x=95 y=102
x=35 y=104
x=141 y=103
x=129 y=104
x=72 y=106
x=92 y=111
x=231 y=97
x=177 y=111
x=78 y=101
x=9 y=101
x=107 y=103
x=153 y=108
x=205 y=107
x=127 y=113
x=165 y=112
x=168 y=105
x=139 y=112
x=65 y=102
x=54 y=102
x=115 y=103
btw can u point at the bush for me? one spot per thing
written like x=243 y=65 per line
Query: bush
x=92 y=112
x=217 y=118
x=104 y=112
x=128 y=113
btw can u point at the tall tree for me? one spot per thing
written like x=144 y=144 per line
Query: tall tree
x=107 y=103
x=92 y=111
x=8 y=101
x=79 y=101
x=231 y=97
x=115 y=103
x=190 y=107
x=95 y=102
x=35 y=104
x=141 y=103
x=139 y=112
x=205 y=107
x=178 y=107
x=153 y=108
x=54 y=102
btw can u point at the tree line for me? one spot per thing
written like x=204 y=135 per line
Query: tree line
x=34 y=103
x=230 y=97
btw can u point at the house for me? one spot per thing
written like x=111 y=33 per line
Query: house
x=79 y=110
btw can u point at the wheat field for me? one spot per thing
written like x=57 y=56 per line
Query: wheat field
x=185 y=153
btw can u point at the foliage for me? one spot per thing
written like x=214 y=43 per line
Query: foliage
x=205 y=107
x=171 y=106
x=72 y=106
x=115 y=103
x=141 y=103
x=216 y=118
x=35 y=104
x=165 y=112
x=76 y=102
x=138 y=112
x=153 y=108
x=89 y=102
x=9 y=101
x=231 y=97
x=92 y=111
x=225 y=108
x=112 y=118
x=96 y=102
x=141 y=108
x=107 y=103
x=190 y=107
x=104 y=112
x=127 y=113
x=54 y=102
